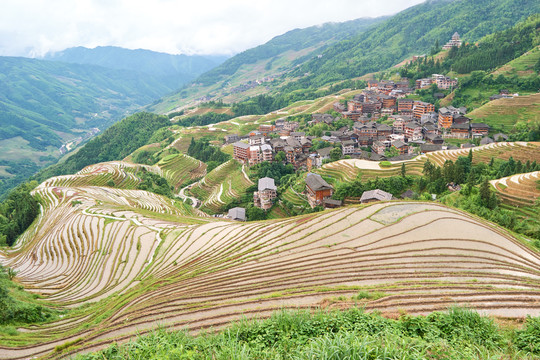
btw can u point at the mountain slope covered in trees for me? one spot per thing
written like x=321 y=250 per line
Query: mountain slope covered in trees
x=44 y=104
x=173 y=70
x=269 y=60
x=413 y=31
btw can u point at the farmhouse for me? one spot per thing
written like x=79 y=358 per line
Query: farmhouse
x=317 y=189
x=237 y=213
x=479 y=129
x=401 y=147
x=266 y=194
x=375 y=195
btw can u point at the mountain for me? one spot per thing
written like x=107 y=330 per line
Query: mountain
x=236 y=77
x=174 y=70
x=350 y=55
x=44 y=104
x=413 y=31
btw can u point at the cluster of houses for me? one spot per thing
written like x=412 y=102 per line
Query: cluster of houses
x=442 y=81
x=408 y=124
x=318 y=193
x=414 y=126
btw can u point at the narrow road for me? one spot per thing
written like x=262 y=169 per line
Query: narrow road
x=194 y=201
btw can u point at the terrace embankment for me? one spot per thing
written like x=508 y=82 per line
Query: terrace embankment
x=148 y=265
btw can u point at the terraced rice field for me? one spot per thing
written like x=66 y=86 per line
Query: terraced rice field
x=221 y=186
x=179 y=169
x=349 y=169
x=121 y=173
x=520 y=189
x=176 y=274
x=507 y=112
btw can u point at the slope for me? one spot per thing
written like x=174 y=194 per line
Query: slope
x=412 y=31
x=173 y=70
x=45 y=104
x=183 y=272
x=236 y=78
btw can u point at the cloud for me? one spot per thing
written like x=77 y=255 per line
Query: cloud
x=35 y=27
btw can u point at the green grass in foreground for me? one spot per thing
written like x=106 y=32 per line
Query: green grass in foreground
x=350 y=334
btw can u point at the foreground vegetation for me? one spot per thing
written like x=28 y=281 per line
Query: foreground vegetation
x=19 y=307
x=351 y=334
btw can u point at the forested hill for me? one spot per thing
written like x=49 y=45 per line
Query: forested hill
x=279 y=55
x=174 y=70
x=115 y=143
x=44 y=104
x=412 y=31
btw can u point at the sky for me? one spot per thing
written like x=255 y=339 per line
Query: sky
x=34 y=27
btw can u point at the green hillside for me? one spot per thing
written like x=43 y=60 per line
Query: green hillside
x=279 y=55
x=45 y=104
x=413 y=31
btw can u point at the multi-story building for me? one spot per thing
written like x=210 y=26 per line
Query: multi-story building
x=254 y=155
x=454 y=41
x=347 y=147
x=241 y=151
x=444 y=82
x=405 y=104
x=421 y=108
x=479 y=129
x=378 y=147
x=267 y=192
x=423 y=83
x=317 y=189
x=413 y=131
x=459 y=131
x=266 y=152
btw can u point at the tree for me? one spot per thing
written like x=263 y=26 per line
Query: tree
x=470 y=156
x=335 y=154
x=280 y=156
x=403 y=170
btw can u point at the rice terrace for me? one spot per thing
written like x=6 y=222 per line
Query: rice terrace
x=167 y=266
x=357 y=189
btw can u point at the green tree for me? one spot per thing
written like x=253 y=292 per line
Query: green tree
x=335 y=154
x=403 y=170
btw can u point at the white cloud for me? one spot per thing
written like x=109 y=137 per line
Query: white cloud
x=34 y=27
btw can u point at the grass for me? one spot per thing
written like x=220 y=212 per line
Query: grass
x=350 y=334
x=503 y=114
x=521 y=66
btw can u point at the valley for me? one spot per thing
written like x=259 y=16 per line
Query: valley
x=362 y=188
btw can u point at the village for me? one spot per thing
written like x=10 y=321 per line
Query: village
x=387 y=126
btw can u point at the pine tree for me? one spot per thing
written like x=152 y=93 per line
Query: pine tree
x=403 y=170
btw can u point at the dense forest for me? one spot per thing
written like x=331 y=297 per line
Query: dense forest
x=293 y=40
x=17 y=212
x=202 y=150
x=490 y=53
x=411 y=32
x=115 y=143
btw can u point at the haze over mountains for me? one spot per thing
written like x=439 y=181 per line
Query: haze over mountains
x=373 y=48
x=173 y=70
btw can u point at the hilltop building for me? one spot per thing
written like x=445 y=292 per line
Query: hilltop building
x=454 y=41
